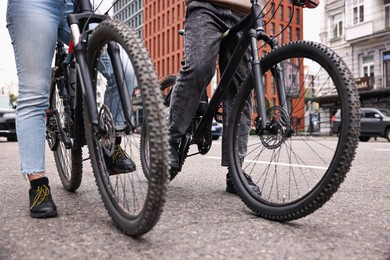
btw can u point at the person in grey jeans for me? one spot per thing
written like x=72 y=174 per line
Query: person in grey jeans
x=205 y=23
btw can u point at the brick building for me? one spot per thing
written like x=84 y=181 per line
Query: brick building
x=162 y=21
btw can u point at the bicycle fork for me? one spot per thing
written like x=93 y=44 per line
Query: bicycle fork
x=262 y=124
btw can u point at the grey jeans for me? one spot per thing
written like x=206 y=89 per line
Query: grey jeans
x=204 y=26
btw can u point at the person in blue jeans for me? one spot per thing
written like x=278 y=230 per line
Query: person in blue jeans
x=34 y=27
x=205 y=23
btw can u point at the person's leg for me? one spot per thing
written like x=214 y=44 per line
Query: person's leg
x=32 y=27
x=226 y=52
x=227 y=104
x=203 y=32
x=111 y=95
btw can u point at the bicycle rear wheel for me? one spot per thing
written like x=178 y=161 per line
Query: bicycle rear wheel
x=297 y=165
x=68 y=161
x=120 y=64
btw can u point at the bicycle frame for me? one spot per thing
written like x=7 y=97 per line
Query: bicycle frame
x=253 y=30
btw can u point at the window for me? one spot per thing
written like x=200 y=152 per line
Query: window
x=358 y=11
x=368 y=68
x=337 y=25
x=272 y=29
x=386 y=67
x=281 y=34
x=272 y=11
x=297 y=16
x=281 y=13
x=297 y=34
x=387 y=16
x=371 y=114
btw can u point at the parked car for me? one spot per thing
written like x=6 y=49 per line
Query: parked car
x=216 y=130
x=7 y=119
x=374 y=122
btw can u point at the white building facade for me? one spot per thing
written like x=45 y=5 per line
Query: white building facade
x=359 y=31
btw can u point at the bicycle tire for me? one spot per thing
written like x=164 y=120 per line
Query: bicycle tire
x=140 y=215
x=69 y=162
x=297 y=174
x=165 y=86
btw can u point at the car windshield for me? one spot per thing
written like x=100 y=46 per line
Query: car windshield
x=4 y=102
x=385 y=112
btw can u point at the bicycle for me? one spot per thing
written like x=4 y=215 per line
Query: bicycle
x=104 y=90
x=296 y=172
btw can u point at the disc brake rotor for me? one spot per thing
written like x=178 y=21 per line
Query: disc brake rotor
x=106 y=123
x=278 y=128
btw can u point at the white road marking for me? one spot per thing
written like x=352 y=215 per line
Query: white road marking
x=279 y=164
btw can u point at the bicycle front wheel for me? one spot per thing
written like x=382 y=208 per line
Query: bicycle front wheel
x=166 y=87
x=296 y=162
x=128 y=99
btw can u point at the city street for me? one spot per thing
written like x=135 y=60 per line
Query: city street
x=200 y=220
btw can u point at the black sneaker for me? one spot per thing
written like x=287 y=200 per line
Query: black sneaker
x=41 y=201
x=230 y=188
x=119 y=162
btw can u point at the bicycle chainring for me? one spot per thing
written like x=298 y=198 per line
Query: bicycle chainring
x=205 y=144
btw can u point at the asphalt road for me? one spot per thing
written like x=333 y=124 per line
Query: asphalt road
x=200 y=220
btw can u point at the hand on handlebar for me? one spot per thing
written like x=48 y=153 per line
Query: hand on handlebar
x=307 y=3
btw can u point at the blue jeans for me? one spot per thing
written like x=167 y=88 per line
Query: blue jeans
x=204 y=26
x=34 y=27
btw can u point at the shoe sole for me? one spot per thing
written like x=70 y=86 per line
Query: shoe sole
x=44 y=215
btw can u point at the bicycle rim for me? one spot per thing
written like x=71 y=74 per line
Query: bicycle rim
x=134 y=202
x=297 y=171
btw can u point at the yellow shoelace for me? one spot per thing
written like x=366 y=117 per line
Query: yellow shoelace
x=41 y=196
x=119 y=153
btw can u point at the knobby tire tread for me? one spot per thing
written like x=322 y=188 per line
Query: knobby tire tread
x=144 y=70
x=169 y=81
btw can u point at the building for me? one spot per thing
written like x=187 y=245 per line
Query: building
x=162 y=21
x=131 y=12
x=359 y=31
